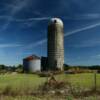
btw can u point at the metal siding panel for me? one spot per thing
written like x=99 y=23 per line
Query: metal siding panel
x=34 y=65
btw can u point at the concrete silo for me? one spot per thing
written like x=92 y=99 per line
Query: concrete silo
x=32 y=64
x=55 y=44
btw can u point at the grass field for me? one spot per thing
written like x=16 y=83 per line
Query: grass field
x=85 y=80
x=21 y=84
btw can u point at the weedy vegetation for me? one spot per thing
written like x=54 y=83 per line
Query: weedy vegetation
x=15 y=86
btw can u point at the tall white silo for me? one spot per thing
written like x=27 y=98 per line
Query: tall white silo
x=55 y=44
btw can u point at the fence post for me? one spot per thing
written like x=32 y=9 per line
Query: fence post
x=95 y=80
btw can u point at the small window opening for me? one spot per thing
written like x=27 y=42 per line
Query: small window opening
x=55 y=21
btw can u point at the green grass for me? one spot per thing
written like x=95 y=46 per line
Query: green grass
x=27 y=83
x=47 y=98
x=20 y=82
x=24 y=80
x=85 y=80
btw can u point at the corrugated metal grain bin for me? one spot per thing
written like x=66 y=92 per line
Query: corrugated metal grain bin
x=32 y=64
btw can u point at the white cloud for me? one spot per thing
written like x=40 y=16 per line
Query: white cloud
x=38 y=43
x=30 y=46
x=82 y=29
x=95 y=56
x=90 y=16
x=71 y=33
x=18 y=5
x=9 y=45
x=86 y=16
x=32 y=19
x=38 y=13
x=87 y=43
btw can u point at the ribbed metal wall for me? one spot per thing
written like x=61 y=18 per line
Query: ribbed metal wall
x=32 y=65
x=55 y=44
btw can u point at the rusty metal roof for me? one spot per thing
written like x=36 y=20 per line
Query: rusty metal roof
x=32 y=57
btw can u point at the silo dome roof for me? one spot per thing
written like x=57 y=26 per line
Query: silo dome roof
x=56 y=20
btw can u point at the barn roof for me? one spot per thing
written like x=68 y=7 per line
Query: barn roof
x=32 y=57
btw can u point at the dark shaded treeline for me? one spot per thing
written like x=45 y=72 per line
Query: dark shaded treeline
x=19 y=68
x=4 y=68
x=92 y=67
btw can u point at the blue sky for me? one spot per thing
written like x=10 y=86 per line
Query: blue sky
x=23 y=29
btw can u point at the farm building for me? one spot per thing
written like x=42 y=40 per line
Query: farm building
x=44 y=66
x=55 y=50
x=55 y=43
x=32 y=64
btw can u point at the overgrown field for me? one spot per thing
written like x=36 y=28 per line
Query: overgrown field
x=23 y=86
x=85 y=80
